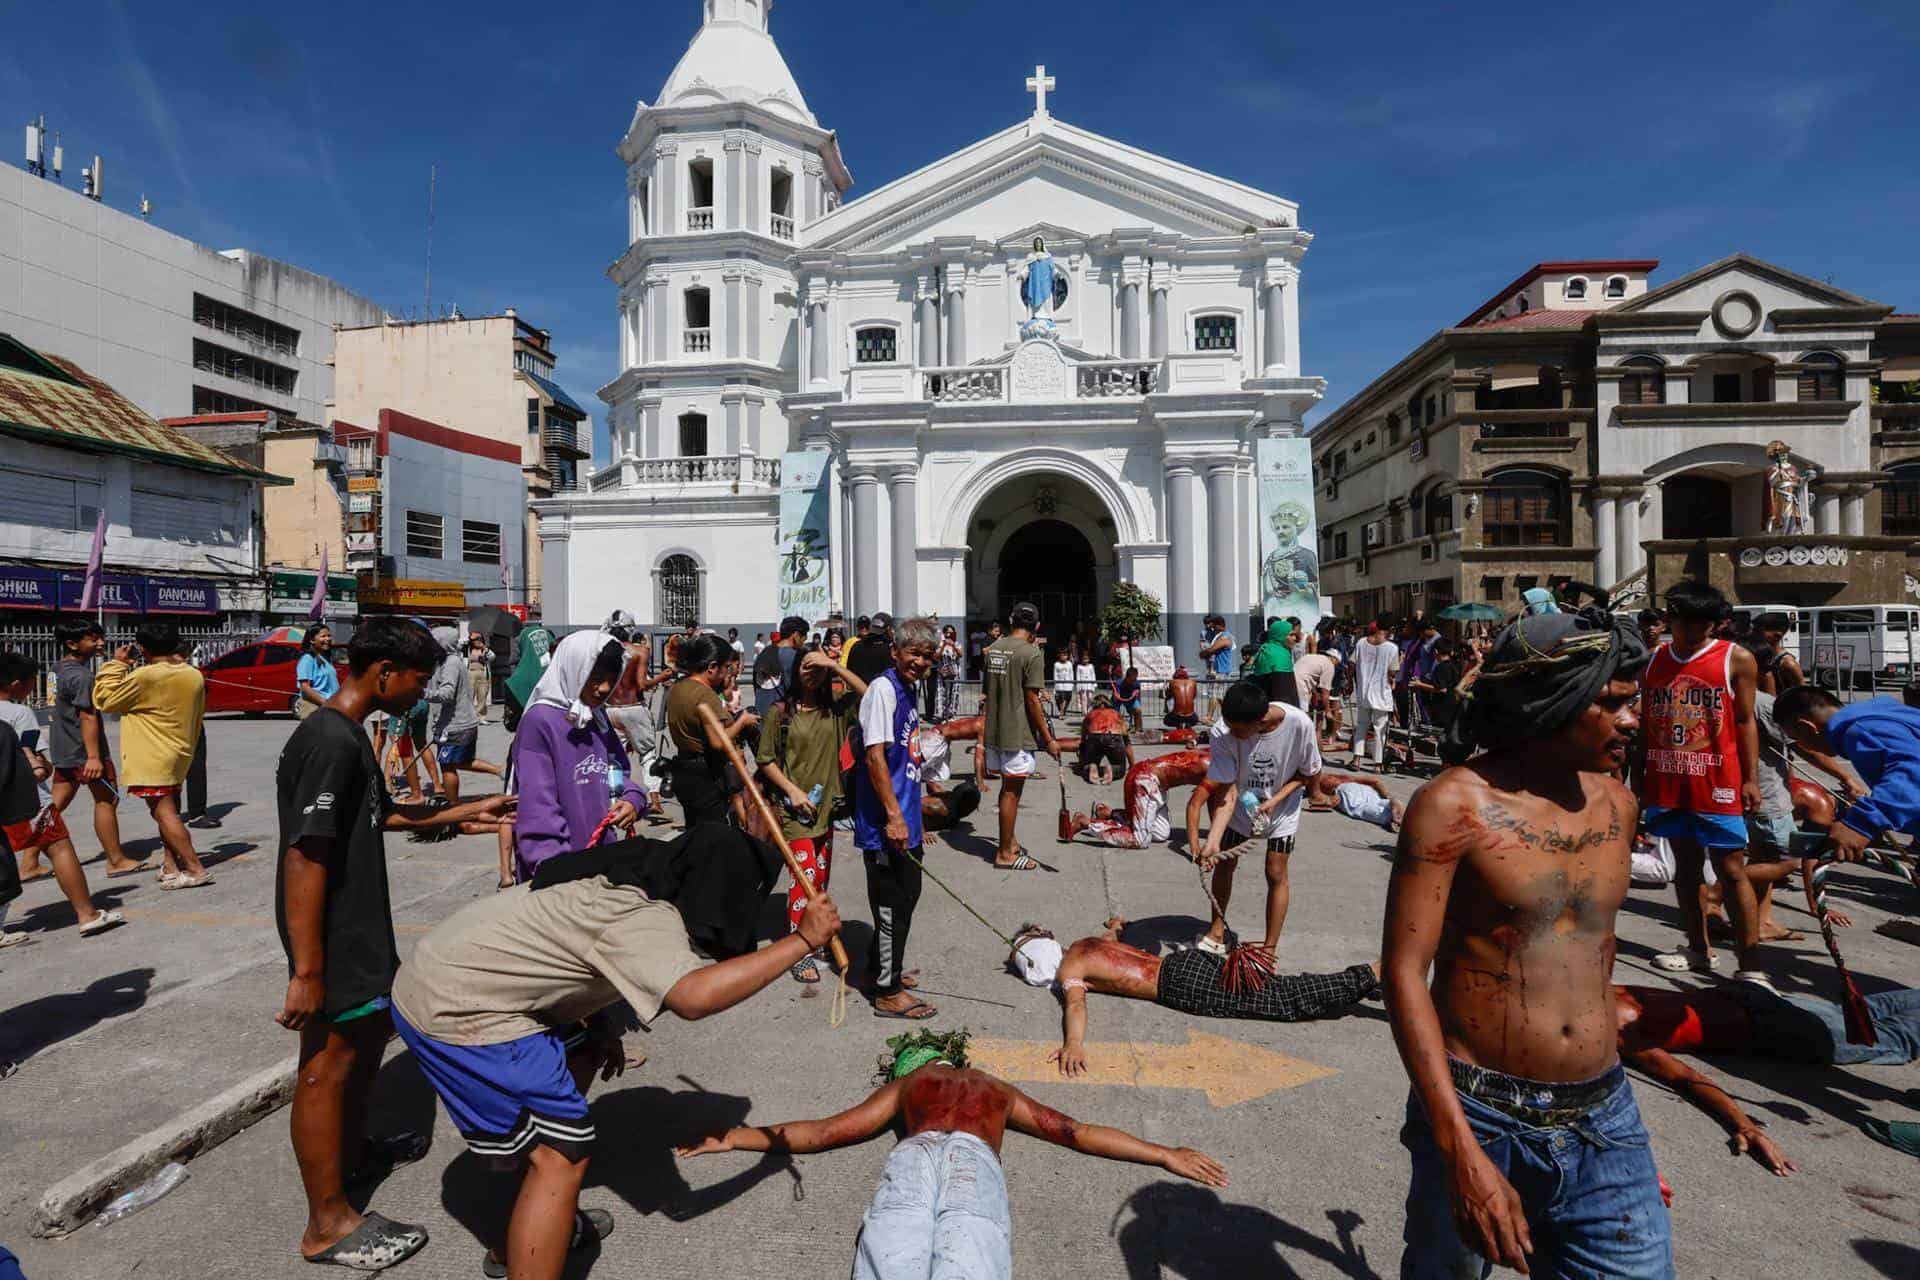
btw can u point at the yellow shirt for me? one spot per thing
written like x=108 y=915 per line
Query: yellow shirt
x=161 y=706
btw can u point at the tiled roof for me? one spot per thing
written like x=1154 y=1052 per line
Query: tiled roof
x=56 y=402
x=1543 y=318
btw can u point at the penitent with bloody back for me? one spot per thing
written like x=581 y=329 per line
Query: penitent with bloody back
x=1526 y=1144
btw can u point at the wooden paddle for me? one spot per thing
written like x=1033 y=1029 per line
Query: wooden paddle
x=718 y=731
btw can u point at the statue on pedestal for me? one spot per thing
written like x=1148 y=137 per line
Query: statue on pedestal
x=1042 y=288
x=1786 y=491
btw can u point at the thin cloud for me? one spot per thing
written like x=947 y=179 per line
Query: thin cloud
x=158 y=112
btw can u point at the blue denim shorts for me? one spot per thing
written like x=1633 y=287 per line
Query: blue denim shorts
x=1587 y=1181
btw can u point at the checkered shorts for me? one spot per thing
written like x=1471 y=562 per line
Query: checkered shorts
x=1190 y=983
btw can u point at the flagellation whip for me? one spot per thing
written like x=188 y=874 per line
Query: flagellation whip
x=718 y=732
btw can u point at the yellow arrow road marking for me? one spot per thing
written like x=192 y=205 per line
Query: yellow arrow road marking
x=1230 y=1071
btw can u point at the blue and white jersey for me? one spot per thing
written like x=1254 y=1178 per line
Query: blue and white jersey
x=888 y=714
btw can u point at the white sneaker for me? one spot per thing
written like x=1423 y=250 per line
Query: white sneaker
x=1686 y=960
x=1758 y=977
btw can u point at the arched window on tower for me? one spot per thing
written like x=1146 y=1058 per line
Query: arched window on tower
x=677 y=591
x=780 y=201
x=1576 y=289
x=699 y=320
x=1616 y=286
x=700 y=194
x=693 y=435
x=1822 y=377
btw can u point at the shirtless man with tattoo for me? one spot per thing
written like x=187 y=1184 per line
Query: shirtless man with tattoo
x=1187 y=980
x=941 y=1208
x=1526 y=1142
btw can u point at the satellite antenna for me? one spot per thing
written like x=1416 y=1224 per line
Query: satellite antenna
x=90 y=180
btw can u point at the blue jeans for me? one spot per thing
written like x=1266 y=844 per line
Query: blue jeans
x=1589 y=1187
x=1804 y=1028
x=940 y=1214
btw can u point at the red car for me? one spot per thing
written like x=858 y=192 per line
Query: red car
x=254 y=678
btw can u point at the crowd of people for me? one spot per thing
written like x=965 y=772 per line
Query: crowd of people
x=1572 y=754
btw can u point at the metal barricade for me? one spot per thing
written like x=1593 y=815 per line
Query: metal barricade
x=203 y=644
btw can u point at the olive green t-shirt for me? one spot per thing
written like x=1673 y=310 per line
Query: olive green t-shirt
x=684 y=701
x=812 y=758
x=1013 y=665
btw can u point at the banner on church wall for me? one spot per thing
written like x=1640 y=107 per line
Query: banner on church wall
x=803 y=542
x=1289 y=561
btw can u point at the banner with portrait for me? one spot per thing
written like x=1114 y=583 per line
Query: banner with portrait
x=1289 y=536
x=803 y=540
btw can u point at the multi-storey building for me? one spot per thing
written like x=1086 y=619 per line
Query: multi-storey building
x=1582 y=425
x=974 y=457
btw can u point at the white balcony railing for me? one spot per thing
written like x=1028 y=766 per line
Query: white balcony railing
x=964 y=384
x=700 y=219
x=1102 y=378
x=782 y=227
x=699 y=341
x=725 y=469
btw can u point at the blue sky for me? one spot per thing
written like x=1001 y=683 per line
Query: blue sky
x=1436 y=151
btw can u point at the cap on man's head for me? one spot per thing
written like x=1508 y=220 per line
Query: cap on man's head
x=882 y=620
x=1024 y=615
x=863 y=622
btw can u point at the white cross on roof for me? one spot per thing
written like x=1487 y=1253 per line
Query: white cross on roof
x=1039 y=84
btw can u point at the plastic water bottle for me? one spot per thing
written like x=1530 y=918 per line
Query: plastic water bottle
x=1250 y=806
x=815 y=792
x=146 y=1193
x=616 y=782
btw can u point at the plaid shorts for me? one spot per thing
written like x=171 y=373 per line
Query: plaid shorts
x=1275 y=844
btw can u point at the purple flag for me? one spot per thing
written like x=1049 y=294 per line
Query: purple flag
x=317 y=607
x=90 y=587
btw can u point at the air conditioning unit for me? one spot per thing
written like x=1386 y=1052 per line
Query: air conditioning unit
x=1372 y=534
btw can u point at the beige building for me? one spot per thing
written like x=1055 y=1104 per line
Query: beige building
x=486 y=376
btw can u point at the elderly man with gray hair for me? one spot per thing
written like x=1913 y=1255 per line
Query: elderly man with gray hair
x=886 y=814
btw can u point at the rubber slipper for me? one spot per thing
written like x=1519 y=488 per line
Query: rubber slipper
x=918 y=1011
x=1212 y=946
x=1685 y=960
x=148 y=865
x=806 y=972
x=188 y=882
x=15 y=940
x=376 y=1244
x=44 y=875
x=597 y=1221
x=1021 y=862
x=101 y=923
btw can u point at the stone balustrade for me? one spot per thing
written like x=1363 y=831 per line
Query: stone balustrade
x=721 y=469
x=965 y=384
x=699 y=341
x=1098 y=379
x=782 y=227
x=700 y=219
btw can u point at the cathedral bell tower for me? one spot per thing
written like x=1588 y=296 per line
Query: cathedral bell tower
x=723 y=168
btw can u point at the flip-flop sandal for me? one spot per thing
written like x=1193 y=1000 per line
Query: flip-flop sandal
x=188 y=882
x=44 y=875
x=383 y=1155
x=597 y=1221
x=101 y=923
x=15 y=940
x=148 y=865
x=806 y=972
x=376 y=1244
x=1021 y=862
x=918 y=1011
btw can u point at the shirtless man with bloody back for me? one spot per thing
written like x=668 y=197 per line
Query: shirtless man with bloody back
x=1527 y=1145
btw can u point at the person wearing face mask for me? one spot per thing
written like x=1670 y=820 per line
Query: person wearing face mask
x=566 y=760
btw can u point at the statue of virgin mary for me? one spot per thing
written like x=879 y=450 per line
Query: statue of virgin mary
x=1038 y=284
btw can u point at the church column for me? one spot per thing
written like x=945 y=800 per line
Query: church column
x=1280 y=277
x=650 y=443
x=1160 y=302
x=752 y=320
x=1183 y=569
x=865 y=483
x=1130 y=281
x=906 y=541
x=733 y=162
x=928 y=303
x=1222 y=527
x=1853 y=512
x=818 y=370
x=657 y=315
x=1606 y=550
x=667 y=180
x=955 y=283
x=1628 y=551
x=733 y=415
x=1826 y=510
x=810 y=190
x=729 y=332
x=753 y=181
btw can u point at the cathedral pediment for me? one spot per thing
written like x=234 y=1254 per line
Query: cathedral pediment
x=1044 y=176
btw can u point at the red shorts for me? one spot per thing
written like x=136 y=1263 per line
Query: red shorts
x=73 y=776
x=44 y=829
x=154 y=793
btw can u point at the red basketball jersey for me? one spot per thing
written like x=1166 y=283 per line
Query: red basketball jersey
x=1693 y=755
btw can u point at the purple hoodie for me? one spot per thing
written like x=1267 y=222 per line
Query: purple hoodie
x=560 y=773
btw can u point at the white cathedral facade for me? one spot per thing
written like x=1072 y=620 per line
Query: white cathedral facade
x=761 y=312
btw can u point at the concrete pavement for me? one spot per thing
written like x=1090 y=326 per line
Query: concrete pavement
x=120 y=1032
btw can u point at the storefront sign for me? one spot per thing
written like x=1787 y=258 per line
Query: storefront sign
x=119 y=593
x=359 y=503
x=1289 y=565
x=803 y=543
x=362 y=543
x=181 y=595
x=290 y=591
x=413 y=593
x=363 y=484
x=25 y=588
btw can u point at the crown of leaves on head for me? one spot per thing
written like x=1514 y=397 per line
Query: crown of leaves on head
x=949 y=1047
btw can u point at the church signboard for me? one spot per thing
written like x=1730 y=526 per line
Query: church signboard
x=1289 y=565
x=804 y=543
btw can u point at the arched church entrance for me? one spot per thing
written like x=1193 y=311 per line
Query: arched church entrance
x=1046 y=538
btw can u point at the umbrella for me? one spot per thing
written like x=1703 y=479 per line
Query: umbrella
x=285 y=635
x=1473 y=612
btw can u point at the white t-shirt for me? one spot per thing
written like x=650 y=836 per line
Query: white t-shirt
x=1264 y=763
x=1312 y=673
x=1373 y=668
x=1063 y=675
x=1363 y=802
x=876 y=712
x=1083 y=675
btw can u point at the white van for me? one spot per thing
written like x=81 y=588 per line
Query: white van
x=1859 y=648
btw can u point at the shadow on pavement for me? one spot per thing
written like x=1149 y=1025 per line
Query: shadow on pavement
x=1889 y=1258
x=403 y=1102
x=1848 y=1094
x=1189 y=1232
x=59 y=913
x=643 y=1172
x=40 y=1024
